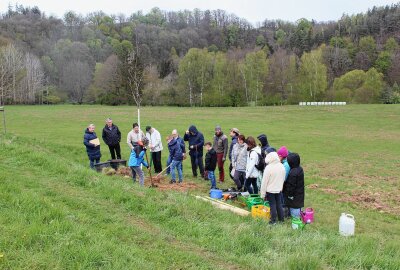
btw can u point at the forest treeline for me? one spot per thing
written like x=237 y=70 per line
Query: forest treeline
x=197 y=58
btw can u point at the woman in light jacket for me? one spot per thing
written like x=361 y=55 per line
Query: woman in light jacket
x=239 y=161
x=252 y=172
x=272 y=184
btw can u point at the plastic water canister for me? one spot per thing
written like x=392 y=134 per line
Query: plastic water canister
x=347 y=224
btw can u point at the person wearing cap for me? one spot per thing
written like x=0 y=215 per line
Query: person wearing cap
x=220 y=146
x=283 y=153
x=136 y=159
x=155 y=146
x=234 y=133
x=135 y=135
x=112 y=136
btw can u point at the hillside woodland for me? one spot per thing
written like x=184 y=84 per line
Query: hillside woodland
x=197 y=58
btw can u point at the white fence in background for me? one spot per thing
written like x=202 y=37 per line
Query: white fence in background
x=322 y=103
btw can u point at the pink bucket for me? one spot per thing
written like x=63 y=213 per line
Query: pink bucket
x=308 y=215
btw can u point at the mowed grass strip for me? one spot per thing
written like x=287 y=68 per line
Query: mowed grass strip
x=63 y=215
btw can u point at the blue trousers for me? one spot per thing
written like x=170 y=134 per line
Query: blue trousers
x=168 y=171
x=211 y=177
x=175 y=164
x=93 y=162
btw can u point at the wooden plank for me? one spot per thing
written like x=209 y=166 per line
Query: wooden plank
x=224 y=206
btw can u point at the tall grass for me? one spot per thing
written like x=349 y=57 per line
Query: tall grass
x=55 y=213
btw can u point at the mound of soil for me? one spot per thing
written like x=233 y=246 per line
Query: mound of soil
x=161 y=182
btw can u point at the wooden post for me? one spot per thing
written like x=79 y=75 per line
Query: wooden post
x=4 y=119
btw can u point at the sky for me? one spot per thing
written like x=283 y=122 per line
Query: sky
x=252 y=10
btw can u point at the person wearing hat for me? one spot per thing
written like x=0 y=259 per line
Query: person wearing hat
x=136 y=159
x=234 y=135
x=155 y=146
x=283 y=153
x=220 y=146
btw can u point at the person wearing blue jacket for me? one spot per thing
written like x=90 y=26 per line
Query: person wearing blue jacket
x=136 y=160
x=181 y=142
x=176 y=157
x=93 y=150
x=196 y=143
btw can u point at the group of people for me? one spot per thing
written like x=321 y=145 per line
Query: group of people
x=258 y=169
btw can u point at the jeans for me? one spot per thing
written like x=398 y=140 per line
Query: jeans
x=251 y=185
x=115 y=149
x=220 y=164
x=275 y=205
x=211 y=177
x=168 y=171
x=197 y=162
x=295 y=212
x=156 y=157
x=136 y=170
x=93 y=162
x=239 y=179
x=175 y=164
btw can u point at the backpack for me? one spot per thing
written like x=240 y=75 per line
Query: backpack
x=261 y=162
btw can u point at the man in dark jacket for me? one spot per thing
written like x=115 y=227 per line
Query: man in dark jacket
x=221 y=148
x=264 y=144
x=92 y=148
x=293 y=188
x=196 y=143
x=112 y=137
x=211 y=163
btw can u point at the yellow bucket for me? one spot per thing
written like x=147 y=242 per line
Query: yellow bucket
x=260 y=211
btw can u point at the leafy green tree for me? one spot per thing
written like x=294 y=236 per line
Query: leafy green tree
x=359 y=86
x=312 y=77
x=391 y=45
x=256 y=71
x=383 y=62
x=195 y=74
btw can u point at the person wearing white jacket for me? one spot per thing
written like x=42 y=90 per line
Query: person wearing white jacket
x=155 y=146
x=252 y=172
x=272 y=185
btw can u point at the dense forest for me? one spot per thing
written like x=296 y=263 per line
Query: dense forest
x=197 y=58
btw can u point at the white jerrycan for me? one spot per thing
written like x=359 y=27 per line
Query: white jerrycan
x=347 y=224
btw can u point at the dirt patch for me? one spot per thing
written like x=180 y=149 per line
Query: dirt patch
x=384 y=202
x=162 y=183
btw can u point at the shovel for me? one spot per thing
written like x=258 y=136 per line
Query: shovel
x=151 y=178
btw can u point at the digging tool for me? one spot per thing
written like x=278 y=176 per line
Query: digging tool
x=151 y=178
x=163 y=170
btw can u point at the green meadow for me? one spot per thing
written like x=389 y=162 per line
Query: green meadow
x=56 y=213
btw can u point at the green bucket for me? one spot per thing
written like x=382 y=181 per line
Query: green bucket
x=297 y=223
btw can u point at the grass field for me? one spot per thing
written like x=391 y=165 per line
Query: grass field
x=55 y=213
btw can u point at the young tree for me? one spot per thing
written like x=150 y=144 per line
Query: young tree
x=135 y=78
